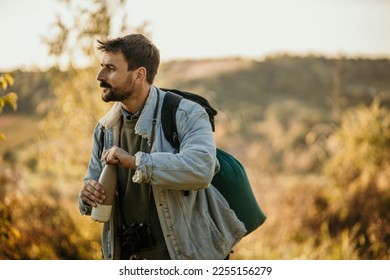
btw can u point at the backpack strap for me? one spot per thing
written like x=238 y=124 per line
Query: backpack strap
x=197 y=99
x=168 y=121
x=168 y=118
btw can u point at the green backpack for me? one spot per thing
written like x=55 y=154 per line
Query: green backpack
x=231 y=181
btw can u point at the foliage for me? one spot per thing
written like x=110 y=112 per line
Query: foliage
x=341 y=211
x=67 y=129
x=71 y=38
x=359 y=169
x=61 y=148
x=77 y=106
x=49 y=232
x=10 y=99
x=35 y=92
x=362 y=148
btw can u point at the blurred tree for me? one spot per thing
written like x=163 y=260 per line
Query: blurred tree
x=10 y=99
x=71 y=40
x=357 y=198
x=66 y=131
x=363 y=143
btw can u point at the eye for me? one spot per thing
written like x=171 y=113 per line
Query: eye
x=108 y=67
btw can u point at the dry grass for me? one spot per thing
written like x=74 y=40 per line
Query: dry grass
x=19 y=131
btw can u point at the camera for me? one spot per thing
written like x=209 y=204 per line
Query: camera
x=135 y=237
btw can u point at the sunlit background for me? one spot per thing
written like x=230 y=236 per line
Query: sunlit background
x=218 y=28
x=302 y=89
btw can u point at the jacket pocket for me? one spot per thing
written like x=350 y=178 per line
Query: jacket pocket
x=206 y=236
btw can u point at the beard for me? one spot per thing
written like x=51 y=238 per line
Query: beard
x=117 y=94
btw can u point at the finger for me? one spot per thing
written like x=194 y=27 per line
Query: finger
x=108 y=153
x=112 y=158
x=92 y=197
x=94 y=185
x=84 y=197
x=89 y=202
x=96 y=194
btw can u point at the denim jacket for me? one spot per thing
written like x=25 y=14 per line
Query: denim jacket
x=200 y=225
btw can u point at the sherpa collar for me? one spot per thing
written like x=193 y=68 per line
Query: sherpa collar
x=144 y=125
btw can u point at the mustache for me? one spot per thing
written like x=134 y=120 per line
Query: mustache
x=105 y=85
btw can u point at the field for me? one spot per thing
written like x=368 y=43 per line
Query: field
x=19 y=130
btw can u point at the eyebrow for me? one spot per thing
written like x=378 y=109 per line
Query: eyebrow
x=109 y=65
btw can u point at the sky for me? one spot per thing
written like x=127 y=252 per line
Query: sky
x=196 y=29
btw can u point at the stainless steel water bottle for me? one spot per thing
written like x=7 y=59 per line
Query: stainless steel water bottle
x=108 y=180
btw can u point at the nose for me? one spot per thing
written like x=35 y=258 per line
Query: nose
x=100 y=76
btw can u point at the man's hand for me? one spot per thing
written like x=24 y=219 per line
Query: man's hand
x=92 y=193
x=116 y=155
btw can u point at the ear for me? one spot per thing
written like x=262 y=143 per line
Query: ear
x=140 y=74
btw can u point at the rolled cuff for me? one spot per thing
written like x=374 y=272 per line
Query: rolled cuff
x=85 y=209
x=143 y=172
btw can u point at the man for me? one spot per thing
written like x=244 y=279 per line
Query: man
x=153 y=218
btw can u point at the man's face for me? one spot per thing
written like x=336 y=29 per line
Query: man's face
x=117 y=82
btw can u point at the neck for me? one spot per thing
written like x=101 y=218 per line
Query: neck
x=135 y=101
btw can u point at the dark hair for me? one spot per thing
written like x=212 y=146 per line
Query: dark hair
x=138 y=51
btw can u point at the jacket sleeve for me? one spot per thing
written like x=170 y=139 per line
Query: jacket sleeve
x=194 y=166
x=94 y=167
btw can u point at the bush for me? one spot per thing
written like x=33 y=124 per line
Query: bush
x=357 y=198
x=36 y=225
